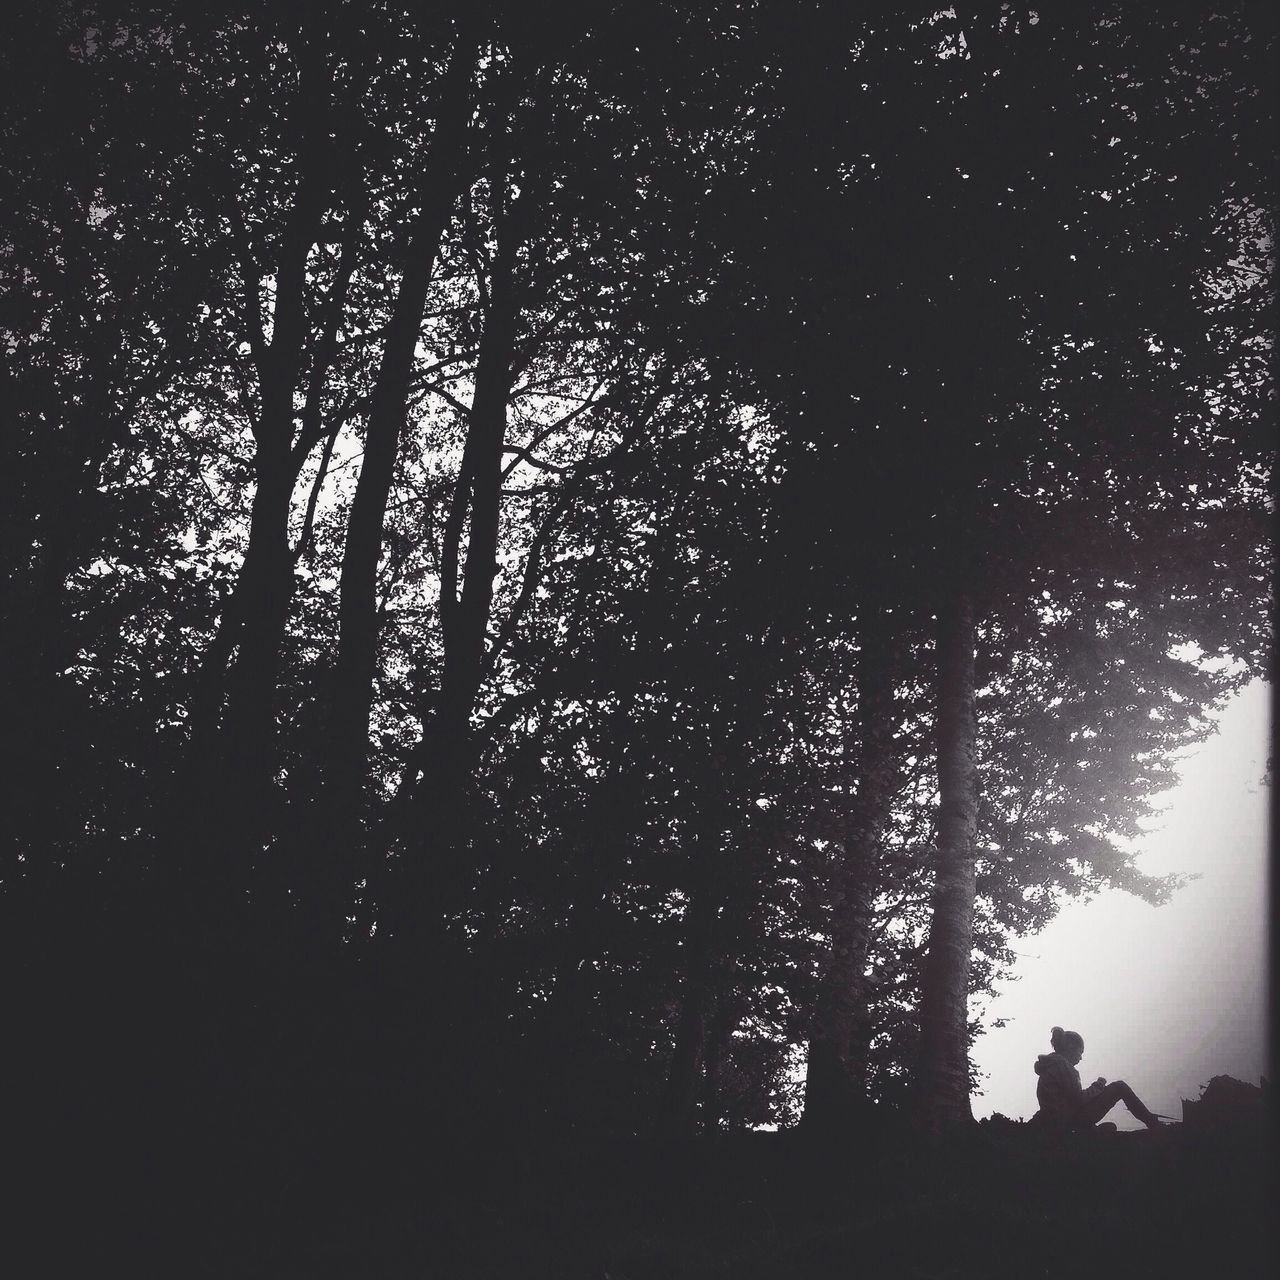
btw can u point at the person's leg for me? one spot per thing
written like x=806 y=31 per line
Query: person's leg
x=1096 y=1107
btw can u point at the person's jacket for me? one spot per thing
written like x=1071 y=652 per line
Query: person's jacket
x=1058 y=1090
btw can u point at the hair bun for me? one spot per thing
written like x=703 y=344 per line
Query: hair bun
x=1056 y=1031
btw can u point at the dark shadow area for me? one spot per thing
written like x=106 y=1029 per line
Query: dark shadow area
x=180 y=1117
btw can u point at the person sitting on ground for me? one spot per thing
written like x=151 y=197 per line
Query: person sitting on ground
x=1064 y=1105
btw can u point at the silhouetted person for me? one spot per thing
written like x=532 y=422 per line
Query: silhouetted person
x=1064 y=1105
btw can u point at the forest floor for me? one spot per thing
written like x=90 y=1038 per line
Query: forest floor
x=993 y=1202
x=143 y=1143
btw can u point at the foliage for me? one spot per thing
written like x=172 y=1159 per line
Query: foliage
x=814 y=315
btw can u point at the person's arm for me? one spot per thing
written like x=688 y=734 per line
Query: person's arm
x=1077 y=1093
x=1059 y=1093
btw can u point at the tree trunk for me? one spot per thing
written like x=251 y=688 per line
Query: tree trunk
x=245 y=751
x=942 y=1081
x=225 y=795
x=677 y=1108
x=676 y=1112
x=348 y=728
x=465 y=615
x=437 y=800
x=717 y=1043
x=836 y=1081
x=222 y=803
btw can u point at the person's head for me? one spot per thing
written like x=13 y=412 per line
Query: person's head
x=1068 y=1043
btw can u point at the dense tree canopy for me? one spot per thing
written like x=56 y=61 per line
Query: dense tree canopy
x=651 y=542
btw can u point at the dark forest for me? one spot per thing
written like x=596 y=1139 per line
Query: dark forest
x=574 y=578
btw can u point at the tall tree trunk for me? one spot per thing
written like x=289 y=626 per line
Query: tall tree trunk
x=224 y=797
x=348 y=727
x=677 y=1109
x=245 y=752
x=719 y=1030
x=676 y=1112
x=942 y=1081
x=437 y=800
x=224 y=794
x=465 y=614
x=836 y=1081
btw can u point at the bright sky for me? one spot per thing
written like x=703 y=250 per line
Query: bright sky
x=1165 y=997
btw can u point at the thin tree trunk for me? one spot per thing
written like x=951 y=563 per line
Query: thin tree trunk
x=717 y=1042
x=942 y=1082
x=677 y=1108
x=465 y=615
x=836 y=1081
x=348 y=728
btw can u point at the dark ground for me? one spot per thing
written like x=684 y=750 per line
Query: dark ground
x=139 y=1145
x=281 y=1202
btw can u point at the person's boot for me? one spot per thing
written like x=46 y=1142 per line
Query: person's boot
x=1149 y=1118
